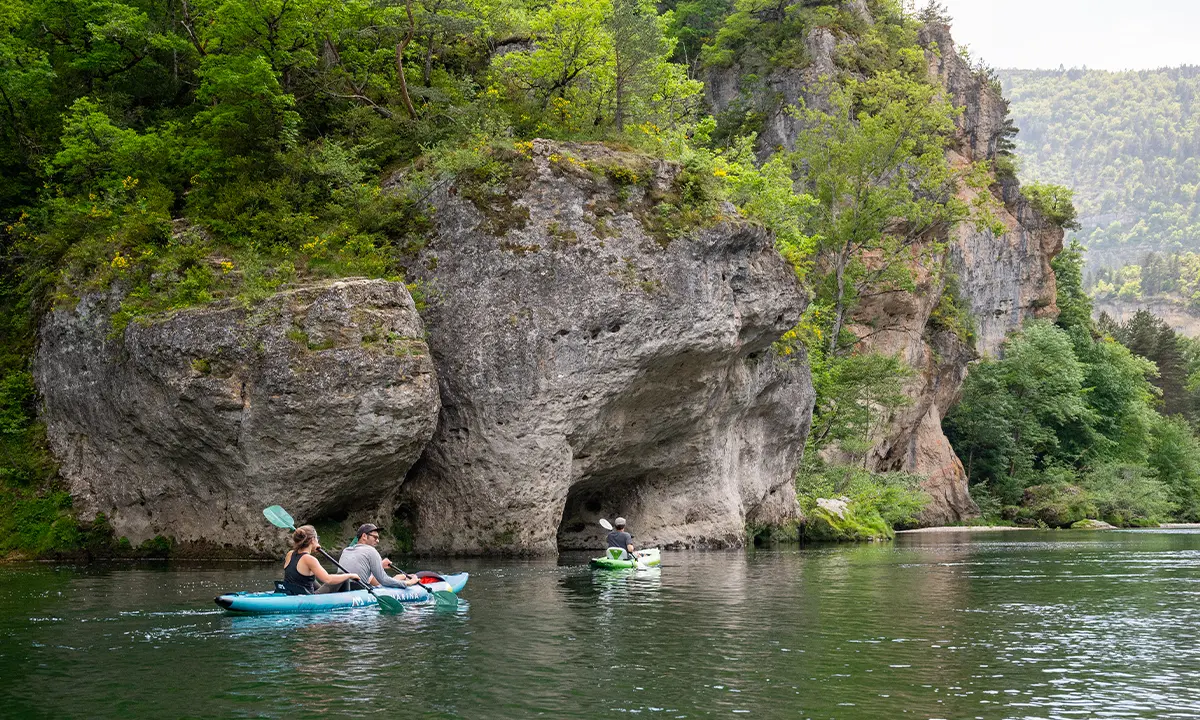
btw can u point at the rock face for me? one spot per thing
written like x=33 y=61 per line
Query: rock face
x=1005 y=280
x=593 y=366
x=318 y=399
x=725 y=88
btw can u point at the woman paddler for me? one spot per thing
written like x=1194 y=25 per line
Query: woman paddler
x=301 y=570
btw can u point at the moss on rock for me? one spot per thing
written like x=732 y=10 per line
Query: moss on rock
x=853 y=524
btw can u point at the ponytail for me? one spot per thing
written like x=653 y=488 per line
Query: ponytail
x=304 y=536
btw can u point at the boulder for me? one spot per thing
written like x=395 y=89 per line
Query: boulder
x=187 y=425
x=840 y=520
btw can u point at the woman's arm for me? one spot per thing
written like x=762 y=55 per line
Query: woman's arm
x=319 y=572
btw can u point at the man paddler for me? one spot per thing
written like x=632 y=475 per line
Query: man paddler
x=618 y=538
x=363 y=560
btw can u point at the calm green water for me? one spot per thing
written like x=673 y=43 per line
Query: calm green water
x=1002 y=625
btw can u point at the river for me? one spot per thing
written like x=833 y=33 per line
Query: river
x=1022 y=624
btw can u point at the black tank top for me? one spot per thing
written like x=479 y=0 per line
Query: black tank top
x=304 y=584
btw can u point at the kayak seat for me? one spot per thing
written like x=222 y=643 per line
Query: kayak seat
x=288 y=588
x=616 y=553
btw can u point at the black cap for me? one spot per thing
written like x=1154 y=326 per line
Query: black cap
x=366 y=528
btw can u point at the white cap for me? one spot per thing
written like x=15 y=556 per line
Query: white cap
x=619 y=522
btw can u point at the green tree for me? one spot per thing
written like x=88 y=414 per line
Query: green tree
x=596 y=64
x=1074 y=304
x=1023 y=413
x=885 y=193
x=570 y=63
x=1151 y=337
x=1120 y=397
x=1175 y=459
x=638 y=45
x=694 y=23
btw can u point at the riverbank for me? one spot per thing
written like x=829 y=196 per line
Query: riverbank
x=991 y=528
x=960 y=528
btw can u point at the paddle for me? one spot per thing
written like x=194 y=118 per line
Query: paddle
x=441 y=597
x=280 y=519
x=637 y=561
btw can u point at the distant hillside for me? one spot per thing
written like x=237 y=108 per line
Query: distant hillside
x=1127 y=142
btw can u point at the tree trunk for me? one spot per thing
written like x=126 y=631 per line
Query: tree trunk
x=619 y=87
x=400 y=46
x=412 y=113
x=840 y=305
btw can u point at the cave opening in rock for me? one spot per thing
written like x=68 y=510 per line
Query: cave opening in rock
x=588 y=501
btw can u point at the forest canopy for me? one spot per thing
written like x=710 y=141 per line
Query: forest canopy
x=1127 y=143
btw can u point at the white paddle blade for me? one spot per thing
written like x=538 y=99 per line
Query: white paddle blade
x=605 y=524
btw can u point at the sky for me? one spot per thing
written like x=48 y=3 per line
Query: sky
x=1101 y=34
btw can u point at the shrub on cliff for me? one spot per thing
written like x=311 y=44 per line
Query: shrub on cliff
x=1054 y=202
x=1127 y=495
x=1055 y=504
x=834 y=522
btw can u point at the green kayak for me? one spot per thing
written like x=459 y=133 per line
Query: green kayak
x=612 y=559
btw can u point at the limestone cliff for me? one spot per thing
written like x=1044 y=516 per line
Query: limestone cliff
x=189 y=424
x=1174 y=310
x=594 y=364
x=1004 y=280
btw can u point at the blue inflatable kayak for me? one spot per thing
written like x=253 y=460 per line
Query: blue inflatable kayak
x=263 y=603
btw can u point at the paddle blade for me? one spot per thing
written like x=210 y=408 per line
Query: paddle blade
x=279 y=518
x=605 y=524
x=445 y=598
x=389 y=604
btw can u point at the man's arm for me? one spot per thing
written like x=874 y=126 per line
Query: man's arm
x=379 y=573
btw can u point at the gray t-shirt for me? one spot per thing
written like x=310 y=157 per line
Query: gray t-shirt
x=620 y=538
x=364 y=561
